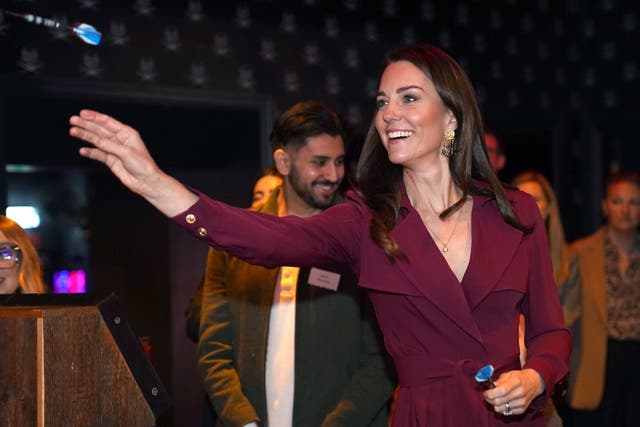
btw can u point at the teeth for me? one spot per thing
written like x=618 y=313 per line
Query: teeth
x=400 y=134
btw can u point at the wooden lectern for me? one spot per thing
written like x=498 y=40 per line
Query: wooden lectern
x=74 y=366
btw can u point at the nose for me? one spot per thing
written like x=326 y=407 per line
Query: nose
x=626 y=208
x=333 y=172
x=390 y=113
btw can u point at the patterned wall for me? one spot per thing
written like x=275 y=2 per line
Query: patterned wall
x=528 y=57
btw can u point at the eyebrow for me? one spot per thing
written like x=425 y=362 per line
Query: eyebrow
x=402 y=89
x=325 y=157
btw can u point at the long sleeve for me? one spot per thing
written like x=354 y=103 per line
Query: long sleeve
x=215 y=348
x=331 y=237
x=366 y=397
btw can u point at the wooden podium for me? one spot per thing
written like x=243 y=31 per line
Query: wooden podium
x=74 y=366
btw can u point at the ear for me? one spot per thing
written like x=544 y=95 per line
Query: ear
x=603 y=204
x=282 y=161
x=451 y=121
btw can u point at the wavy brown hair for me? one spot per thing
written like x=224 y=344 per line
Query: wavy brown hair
x=559 y=249
x=30 y=275
x=378 y=180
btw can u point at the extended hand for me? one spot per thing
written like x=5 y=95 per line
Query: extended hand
x=121 y=148
x=514 y=391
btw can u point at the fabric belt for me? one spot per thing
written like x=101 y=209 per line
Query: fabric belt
x=419 y=369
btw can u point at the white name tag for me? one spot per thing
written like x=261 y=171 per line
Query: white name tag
x=324 y=279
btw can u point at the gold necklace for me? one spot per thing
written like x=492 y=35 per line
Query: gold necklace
x=445 y=245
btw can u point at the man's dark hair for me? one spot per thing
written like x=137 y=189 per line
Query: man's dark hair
x=303 y=120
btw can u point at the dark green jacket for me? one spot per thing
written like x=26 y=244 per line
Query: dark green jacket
x=341 y=375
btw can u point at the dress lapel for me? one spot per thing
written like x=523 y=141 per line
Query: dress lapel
x=494 y=243
x=429 y=272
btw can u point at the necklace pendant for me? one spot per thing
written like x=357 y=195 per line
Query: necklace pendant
x=445 y=249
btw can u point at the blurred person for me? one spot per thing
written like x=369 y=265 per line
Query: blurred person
x=427 y=215
x=495 y=150
x=565 y=265
x=264 y=186
x=604 y=389
x=20 y=269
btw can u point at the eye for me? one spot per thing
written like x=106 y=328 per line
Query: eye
x=409 y=98
x=340 y=162
x=319 y=162
x=380 y=102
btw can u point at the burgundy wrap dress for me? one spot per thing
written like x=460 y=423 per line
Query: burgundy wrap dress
x=438 y=330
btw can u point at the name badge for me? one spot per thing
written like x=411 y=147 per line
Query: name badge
x=324 y=279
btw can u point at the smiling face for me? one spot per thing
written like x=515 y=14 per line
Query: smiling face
x=8 y=276
x=316 y=170
x=621 y=206
x=411 y=118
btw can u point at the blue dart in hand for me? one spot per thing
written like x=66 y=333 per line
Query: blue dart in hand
x=485 y=376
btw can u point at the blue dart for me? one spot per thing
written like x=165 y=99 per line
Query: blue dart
x=86 y=32
x=485 y=376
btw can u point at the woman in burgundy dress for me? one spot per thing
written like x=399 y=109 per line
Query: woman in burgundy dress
x=450 y=258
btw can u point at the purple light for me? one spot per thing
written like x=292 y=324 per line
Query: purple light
x=73 y=282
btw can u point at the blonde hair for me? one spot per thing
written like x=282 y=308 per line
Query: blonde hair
x=555 y=232
x=30 y=275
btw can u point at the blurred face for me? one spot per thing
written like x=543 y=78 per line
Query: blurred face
x=411 y=118
x=317 y=170
x=535 y=190
x=8 y=276
x=263 y=188
x=622 y=206
x=496 y=157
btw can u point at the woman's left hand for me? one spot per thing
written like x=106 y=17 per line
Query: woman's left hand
x=514 y=391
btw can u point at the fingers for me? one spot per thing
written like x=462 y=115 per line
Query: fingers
x=94 y=154
x=91 y=127
x=507 y=406
x=106 y=134
x=106 y=122
x=505 y=397
x=513 y=393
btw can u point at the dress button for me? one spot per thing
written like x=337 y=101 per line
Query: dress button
x=202 y=231
x=190 y=218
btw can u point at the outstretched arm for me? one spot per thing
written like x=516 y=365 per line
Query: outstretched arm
x=121 y=148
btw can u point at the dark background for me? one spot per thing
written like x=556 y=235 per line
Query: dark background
x=202 y=81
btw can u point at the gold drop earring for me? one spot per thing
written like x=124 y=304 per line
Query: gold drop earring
x=449 y=141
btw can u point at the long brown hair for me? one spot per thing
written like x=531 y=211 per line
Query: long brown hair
x=30 y=275
x=555 y=231
x=378 y=179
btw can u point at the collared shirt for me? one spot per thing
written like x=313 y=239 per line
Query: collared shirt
x=279 y=381
x=623 y=292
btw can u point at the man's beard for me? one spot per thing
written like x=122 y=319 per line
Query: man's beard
x=307 y=195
